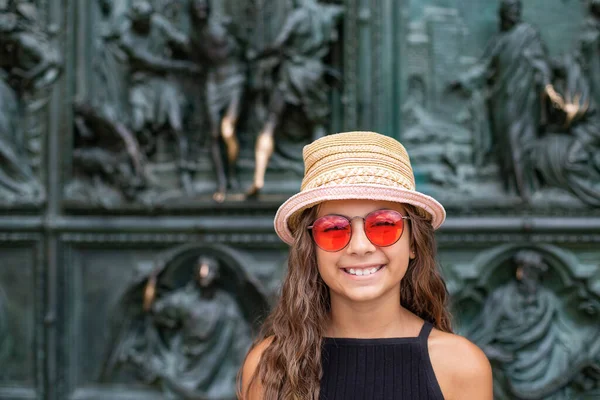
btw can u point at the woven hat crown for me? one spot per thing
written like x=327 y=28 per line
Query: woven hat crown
x=356 y=158
x=355 y=166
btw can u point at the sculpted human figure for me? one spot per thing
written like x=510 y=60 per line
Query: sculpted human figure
x=515 y=69
x=155 y=98
x=110 y=71
x=301 y=44
x=106 y=152
x=218 y=51
x=32 y=62
x=27 y=63
x=183 y=325
x=525 y=334
x=204 y=329
x=567 y=155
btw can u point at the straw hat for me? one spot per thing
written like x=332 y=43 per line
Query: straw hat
x=355 y=165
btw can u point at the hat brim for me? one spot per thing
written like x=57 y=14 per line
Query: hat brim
x=311 y=197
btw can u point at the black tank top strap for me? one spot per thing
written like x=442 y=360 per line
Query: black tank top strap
x=425 y=331
x=432 y=382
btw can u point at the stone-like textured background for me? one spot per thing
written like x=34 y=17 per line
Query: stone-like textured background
x=119 y=183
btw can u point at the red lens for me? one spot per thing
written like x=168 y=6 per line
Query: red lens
x=384 y=227
x=331 y=232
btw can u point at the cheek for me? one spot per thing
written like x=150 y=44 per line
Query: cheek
x=398 y=256
x=327 y=264
x=324 y=259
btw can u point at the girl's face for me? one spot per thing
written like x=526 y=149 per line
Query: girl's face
x=349 y=273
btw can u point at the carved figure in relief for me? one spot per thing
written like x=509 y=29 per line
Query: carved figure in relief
x=28 y=63
x=26 y=54
x=515 y=70
x=213 y=46
x=182 y=327
x=300 y=75
x=567 y=155
x=16 y=177
x=155 y=98
x=109 y=64
x=536 y=350
x=109 y=164
x=107 y=159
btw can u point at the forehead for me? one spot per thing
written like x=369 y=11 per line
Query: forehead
x=510 y=4
x=352 y=208
x=142 y=5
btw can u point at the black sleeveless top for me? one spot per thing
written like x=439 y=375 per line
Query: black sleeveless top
x=378 y=369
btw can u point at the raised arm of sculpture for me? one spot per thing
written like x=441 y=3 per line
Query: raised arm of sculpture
x=150 y=62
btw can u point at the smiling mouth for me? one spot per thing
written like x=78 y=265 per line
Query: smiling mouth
x=363 y=271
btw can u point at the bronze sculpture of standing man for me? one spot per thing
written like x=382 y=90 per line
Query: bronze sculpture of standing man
x=516 y=70
x=218 y=51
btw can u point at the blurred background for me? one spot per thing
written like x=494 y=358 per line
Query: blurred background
x=145 y=146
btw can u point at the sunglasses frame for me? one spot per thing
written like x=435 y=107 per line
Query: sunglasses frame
x=350 y=219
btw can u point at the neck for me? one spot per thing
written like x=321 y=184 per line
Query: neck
x=379 y=318
x=141 y=28
x=508 y=25
x=207 y=292
x=200 y=21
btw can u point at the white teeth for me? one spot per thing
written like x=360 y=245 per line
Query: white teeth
x=361 y=272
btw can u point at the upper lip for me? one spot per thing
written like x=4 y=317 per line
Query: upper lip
x=363 y=266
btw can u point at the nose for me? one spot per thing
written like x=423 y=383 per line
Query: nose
x=359 y=243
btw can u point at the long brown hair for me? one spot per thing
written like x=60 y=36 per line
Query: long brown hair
x=290 y=367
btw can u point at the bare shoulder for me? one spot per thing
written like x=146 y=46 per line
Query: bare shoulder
x=249 y=368
x=253 y=357
x=461 y=368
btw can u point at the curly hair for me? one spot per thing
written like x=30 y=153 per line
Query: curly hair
x=290 y=367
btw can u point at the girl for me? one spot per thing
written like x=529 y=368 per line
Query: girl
x=362 y=312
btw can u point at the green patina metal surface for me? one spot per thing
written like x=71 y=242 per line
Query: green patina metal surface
x=137 y=252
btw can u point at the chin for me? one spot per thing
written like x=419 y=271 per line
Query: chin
x=364 y=294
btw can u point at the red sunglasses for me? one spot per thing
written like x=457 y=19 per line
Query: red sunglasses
x=382 y=227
